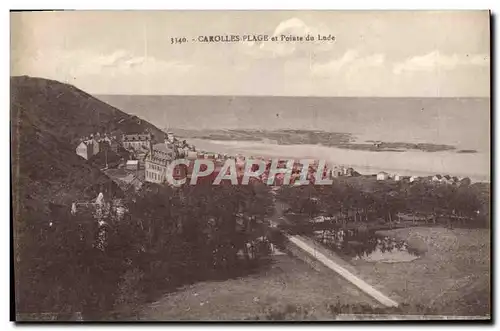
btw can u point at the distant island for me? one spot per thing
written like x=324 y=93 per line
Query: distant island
x=330 y=139
x=467 y=151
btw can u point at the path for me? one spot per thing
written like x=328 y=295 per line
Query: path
x=278 y=219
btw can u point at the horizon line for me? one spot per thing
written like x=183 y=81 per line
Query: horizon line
x=255 y=95
x=290 y=96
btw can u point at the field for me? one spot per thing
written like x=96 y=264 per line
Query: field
x=288 y=281
x=452 y=277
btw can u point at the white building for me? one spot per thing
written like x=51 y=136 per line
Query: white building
x=85 y=149
x=382 y=175
x=414 y=179
x=132 y=165
x=157 y=162
x=170 y=137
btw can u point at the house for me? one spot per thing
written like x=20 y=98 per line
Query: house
x=447 y=179
x=349 y=172
x=170 y=137
x=132 y=165
x=455 y=180
x=382 y=175
x=398 y=177
x=106 y=143
x=437 y=178
x=191 y=155
x=414 y=179
x=157 y=162
x=465 y=181
x=95 y=142
x=85 y=149
x=337 y=171
x=137 y=141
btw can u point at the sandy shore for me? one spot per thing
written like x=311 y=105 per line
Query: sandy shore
x=476 y=166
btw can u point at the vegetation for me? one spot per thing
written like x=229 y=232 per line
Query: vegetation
x=67 y=263
x=72 y=263
x=363 y=201
x=332 y=311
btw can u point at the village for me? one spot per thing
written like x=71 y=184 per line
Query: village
x=133 y=159
x=257 y=166
x=141 y=160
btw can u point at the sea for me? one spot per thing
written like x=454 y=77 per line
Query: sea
x=461 y=122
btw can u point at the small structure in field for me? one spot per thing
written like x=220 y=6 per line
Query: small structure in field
x=382 y=175
x=414 y=179
x=399 y=177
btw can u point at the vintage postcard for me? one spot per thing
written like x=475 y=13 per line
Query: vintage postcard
x=251 y=165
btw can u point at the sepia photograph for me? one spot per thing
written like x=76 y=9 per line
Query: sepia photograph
x=302 y=165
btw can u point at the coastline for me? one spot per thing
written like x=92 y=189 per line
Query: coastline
x=418 y=163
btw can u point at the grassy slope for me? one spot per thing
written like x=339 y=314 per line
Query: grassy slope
x=47 y=118
x=287 y=281
x=452 y=277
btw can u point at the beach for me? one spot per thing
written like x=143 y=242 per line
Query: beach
x=418 y=163
x=341 y=130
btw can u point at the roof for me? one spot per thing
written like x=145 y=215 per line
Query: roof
x=136 y=137
x=162 y=147
x=382 y=173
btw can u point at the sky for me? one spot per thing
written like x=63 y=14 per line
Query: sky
x=375 y=53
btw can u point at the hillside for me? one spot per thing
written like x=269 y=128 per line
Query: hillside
x=47 y=119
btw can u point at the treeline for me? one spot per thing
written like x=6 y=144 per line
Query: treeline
x=170 y=237
x=390 y=201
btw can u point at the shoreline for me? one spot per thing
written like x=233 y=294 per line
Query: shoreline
x=366 y=162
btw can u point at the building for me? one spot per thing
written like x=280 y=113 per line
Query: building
x=191 y=155
x=95 y=144
x=337 y=171
x=170 y=137
x=107 y=143
x=132 y=165
x=398 y=177
x=446 y=179
x=349 y=172
x=414 y=179
x=437 y=178
x=465 y=181
x=137 y=141
x=157 y=162
x=382 y=175
x=85 y=149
